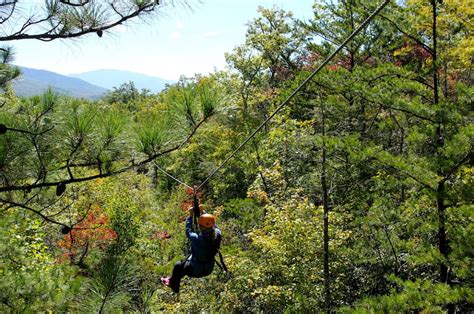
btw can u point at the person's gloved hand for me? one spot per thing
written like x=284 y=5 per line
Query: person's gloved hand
x=191 y=211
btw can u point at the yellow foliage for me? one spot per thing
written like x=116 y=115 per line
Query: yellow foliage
x=402 y=51
x=454 y=27
x=463 y=52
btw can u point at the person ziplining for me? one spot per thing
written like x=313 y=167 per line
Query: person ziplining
x=205 y=244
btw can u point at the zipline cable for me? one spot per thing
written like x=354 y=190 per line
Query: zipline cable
x=172 y=177
x=195 y=194
x=298 y=89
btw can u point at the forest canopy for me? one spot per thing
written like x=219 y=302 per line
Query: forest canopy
x=355 y=197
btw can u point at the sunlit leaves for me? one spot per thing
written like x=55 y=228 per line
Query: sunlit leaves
x=79 y=121
x=111 y=139
x=194 y=100
x=152 y=132
x=417 y=294
x=209 y=97
x=31 y=280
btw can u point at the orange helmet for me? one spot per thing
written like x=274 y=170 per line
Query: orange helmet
x=207 y=221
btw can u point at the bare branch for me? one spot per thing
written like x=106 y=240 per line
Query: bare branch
x=408 y=174
x=7 y=3
x=62 y=210
x=80 y=4
x=112 y=5
x=28 y=132
x=29 y=23
x=415 y=79
x=37 y=212
x=374 y=118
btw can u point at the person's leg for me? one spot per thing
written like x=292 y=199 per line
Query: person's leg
x=180 y=270
x=177 y=274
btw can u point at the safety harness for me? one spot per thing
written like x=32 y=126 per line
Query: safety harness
x=196 y=215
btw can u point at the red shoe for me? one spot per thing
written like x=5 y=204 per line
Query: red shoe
x=165 y=281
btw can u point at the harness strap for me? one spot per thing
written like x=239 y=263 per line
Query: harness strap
x=221 y=265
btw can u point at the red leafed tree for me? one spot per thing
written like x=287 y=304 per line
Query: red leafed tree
x=92 y=232
x=411 y=53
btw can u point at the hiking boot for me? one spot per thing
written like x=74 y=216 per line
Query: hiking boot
x=174 y=286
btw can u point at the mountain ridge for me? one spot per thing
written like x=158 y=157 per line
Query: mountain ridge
x=90 y=85
x=35 y=81
x=110 y=78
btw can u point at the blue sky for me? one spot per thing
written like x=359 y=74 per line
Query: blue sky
x=179 y=42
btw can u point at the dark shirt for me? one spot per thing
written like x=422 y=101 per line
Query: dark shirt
x=203 y=249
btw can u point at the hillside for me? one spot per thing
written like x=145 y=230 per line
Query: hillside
x=35 y=81
x=114 y=78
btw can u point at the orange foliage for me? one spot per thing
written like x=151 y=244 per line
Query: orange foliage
x=91 y=232
x=162 y=235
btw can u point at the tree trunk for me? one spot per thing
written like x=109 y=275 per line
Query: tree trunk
x=443 y=245
x=442 y=240
x=327 y=292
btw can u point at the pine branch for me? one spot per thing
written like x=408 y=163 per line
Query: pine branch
x=398 y=109
x=415 y=39
x=453 y=170
x=49 y=36
x=104 y=175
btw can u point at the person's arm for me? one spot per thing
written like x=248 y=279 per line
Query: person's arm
x=189 y=229
x=218 y=237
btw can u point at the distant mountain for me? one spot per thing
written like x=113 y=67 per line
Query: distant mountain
x=114 y=78
x=35 y=82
